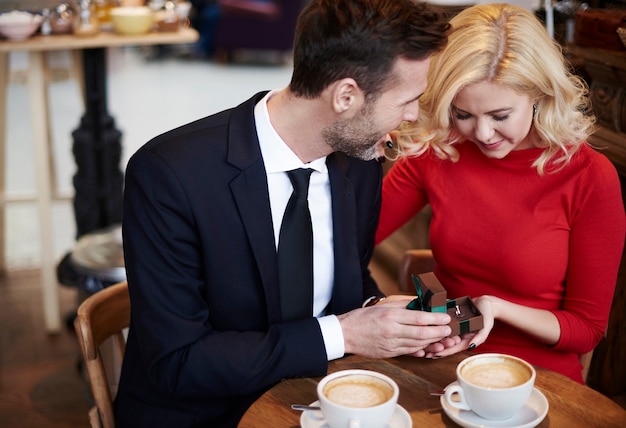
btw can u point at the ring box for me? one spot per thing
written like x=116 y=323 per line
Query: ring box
x=432 y=297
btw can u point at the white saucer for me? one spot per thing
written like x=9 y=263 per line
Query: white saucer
x=315 y=419
x=529 y=416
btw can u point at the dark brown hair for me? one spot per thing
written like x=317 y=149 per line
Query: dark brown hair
x=361 y=39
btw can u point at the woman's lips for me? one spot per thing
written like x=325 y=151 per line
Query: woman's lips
x=493 y=146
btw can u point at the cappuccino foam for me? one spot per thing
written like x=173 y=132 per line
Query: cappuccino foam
x=358 y=391
x=500 y=374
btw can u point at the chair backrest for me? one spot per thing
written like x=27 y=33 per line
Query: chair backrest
x=419 y=261
x=415 y=261
x=101 y=320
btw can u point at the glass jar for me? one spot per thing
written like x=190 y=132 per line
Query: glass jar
x=103 y=11
x=62 y=19
x=86 y=23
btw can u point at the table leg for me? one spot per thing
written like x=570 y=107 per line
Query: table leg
x=97 y=150
x=77 y=73
x=38 y=101
x=4 y=82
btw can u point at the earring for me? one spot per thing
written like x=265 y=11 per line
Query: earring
x=534 y=110
x=391 y=151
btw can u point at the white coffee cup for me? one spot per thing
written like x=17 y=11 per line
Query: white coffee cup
x=494 y=386
x=357 y=399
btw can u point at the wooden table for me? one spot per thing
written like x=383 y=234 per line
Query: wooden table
x=97 y=149
x=571 y=404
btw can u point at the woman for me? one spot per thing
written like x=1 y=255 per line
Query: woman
x=528 y=219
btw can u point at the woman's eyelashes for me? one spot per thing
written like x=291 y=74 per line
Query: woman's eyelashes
x=464 y=116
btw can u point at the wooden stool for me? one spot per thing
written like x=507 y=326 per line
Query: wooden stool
x=39 y=76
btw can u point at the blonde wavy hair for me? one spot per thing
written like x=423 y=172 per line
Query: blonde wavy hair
x=506 y=45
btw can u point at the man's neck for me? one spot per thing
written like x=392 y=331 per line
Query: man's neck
x=299 y=123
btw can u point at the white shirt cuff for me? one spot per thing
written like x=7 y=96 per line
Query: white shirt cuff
x=333 y=336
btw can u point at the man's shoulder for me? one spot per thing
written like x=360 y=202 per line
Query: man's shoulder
x=212 y=128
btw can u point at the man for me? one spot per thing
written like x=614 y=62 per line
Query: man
x=203 y=209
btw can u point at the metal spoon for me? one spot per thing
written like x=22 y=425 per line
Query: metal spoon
x=304 y=408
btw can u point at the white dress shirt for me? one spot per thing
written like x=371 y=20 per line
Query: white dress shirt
x=279 y=159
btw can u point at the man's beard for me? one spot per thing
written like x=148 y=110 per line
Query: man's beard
x=355 y=137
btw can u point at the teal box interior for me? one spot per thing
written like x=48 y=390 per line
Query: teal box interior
x=432 y=297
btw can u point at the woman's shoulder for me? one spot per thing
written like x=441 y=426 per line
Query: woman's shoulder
x=594 y=161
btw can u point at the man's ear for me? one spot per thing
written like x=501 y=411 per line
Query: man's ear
x=347 y=95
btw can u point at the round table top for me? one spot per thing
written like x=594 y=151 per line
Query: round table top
x=570 y=403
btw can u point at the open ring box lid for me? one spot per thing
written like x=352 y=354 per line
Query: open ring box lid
x=432 y=297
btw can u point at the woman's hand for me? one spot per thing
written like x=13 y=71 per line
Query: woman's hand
x=468 y=341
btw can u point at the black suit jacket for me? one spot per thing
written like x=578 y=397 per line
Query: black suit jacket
x=206 y=337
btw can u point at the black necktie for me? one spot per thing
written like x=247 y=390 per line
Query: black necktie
x=295 y=251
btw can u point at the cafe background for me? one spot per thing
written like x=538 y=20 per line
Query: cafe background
x=151 y=92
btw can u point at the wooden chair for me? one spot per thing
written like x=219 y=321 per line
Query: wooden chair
x=419 y=261
x=415 y=261
x=100 y=324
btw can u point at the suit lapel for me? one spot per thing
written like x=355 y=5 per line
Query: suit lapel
x=348 y=285
x=251 y=196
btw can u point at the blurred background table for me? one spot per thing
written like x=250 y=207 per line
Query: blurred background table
x=97 y=146
x=571 y=404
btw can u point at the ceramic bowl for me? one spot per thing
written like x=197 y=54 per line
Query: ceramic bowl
x=18 y=25
x=166 y=21
x=132 y=20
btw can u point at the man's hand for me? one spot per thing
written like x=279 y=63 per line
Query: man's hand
x=388 y=329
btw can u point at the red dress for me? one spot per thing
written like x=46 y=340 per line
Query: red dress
x=550 y=241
